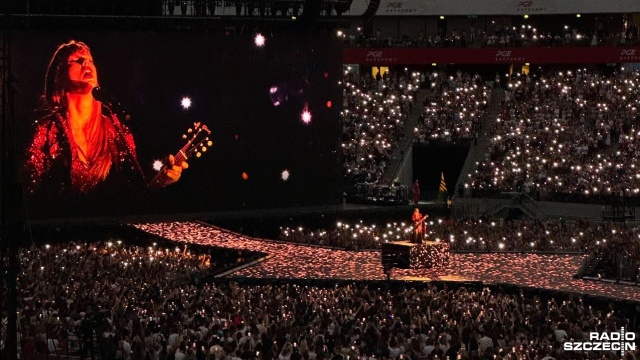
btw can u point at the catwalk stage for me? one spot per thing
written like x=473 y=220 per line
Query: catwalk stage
x=287 y=260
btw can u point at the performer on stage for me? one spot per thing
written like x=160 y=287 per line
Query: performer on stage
x=416 y=192
x=79 y=144
x=418 y=225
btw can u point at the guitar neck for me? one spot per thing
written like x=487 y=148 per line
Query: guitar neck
x=156 y=182
x=182 y=154
x=179 y=157
x=418 y=222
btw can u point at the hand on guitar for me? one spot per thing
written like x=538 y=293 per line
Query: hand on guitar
x=170 y=170
x=169 y=173
x=417 y=220
x=173 y=171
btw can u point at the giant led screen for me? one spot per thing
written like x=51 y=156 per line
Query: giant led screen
x=129 y=123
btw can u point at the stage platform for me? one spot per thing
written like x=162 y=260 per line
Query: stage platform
x=408 y=255
x=292 y=261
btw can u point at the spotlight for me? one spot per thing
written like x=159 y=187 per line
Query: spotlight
x=259 y=40
x=186 y=103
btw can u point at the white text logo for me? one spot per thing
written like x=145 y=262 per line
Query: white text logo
x=613 y=341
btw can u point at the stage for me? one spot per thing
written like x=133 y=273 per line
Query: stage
x=287 y=260
x=408 y=255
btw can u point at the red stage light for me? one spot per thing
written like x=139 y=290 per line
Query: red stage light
x=329 y=104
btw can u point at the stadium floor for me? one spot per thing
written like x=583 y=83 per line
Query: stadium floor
x=286 y=260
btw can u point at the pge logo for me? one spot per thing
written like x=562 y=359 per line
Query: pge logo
x=629 y=55
x=394 y=5
x=508 y=56
x=374 y=54
x=628 y=52
x=525 y=4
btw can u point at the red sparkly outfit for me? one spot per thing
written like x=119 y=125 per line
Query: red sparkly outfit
x=53 y=165
x=417 y=219
x=416 y=193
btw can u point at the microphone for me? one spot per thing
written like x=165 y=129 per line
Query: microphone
x=110 y=101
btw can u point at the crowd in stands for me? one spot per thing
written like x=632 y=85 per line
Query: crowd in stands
x=373 y=118
x=567 y=132
x=72 y=7
x=137 y=7
x=187 y=8
x=122 y=302
x=454 y=109
x=65 y=289
x=551 y=235
x=527 y=35
x=356 y=236
x=476 y=235
x=500 y=36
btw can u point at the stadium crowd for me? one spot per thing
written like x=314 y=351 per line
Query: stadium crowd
x=66 y=290
x=373 y=119
x=527 y=35
x=566 y=132
x=124 y=302
x=524 y=35
x=476 y=235
x=454 y=109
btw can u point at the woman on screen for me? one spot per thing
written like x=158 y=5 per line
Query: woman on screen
x=79 y=144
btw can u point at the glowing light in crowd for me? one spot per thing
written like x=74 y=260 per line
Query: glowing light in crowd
x=273 y=94
x=259 y=40
x=245 y=176
x=285 y=175
x=186 y=103
x=157 y=165
x=329 y=104
x=306 y=115
x=279 y=94
x=592 y=170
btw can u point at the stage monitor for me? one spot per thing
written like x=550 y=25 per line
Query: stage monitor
x=107 y=122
